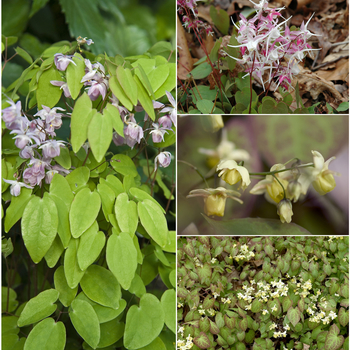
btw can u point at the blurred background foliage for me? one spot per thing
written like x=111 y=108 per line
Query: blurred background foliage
x=269 y=140
x=125 y=27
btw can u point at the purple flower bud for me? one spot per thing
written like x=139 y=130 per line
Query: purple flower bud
x=163 y=158
x=62 y=61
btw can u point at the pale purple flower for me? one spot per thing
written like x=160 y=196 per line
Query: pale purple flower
x=133 y=134
x=49 y=175
x=172 y=109
x=157 y=133
x=118 y=140
x=27 y=152
x=62 y=61
x=82 y=41
x=165 y=122
x=51 y=148
x=163 y=159
x=22 y=141
x=33 y=178
x=16 y=186
x=63 y=86
x=95 y=78
x=96 y=89
x=60 y=169
x=94 y=71
x=12 y=112
x=122 y=110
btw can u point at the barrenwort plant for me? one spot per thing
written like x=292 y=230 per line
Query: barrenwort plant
x=89 y=242
x=263 y=293
x=268 y=51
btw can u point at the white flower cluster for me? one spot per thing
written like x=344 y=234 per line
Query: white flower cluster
x=226 y=300
x=202 y=311
x=244 y=253
x=264 y=293
x=181 y=344
x=322 y=316
x=334 y=237
x=197 y=262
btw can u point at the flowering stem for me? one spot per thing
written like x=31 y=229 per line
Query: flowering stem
x=251 y=86
x=195 y=169
x=282 y=170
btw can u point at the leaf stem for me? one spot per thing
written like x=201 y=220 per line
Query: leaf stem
x=195 y=169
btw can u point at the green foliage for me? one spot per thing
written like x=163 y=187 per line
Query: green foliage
x=100 y=223
x=251 y=299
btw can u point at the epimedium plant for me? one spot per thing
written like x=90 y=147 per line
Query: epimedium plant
x=89 y=243
x=267 y=50
x=263 y=293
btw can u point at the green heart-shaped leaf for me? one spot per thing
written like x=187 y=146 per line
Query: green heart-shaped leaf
x=46 y=335
x=39 y=226
x=83 y=211
x=143 y=323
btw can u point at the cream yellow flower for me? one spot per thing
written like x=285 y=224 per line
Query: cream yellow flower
x=215 y=199
x=324 y=180
x=233 y=173
x=284 y=210
x=271 y=187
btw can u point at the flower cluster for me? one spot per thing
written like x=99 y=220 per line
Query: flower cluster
x=134 y=133
x=268 y=47
x=188 y=8
x=245 y=253
x=30 y=137
x=197 y=262
x=182 y=344
x=287 y=185
x=97 y=84
x=210 y=312
x=263 y=292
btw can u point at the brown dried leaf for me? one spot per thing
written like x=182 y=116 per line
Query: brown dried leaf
x=185 y=64
x=310 y=82
x=341 y=71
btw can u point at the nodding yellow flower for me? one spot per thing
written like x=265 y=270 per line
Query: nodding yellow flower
x=284 y=210
x=324 y=180
x=273 y=190
x=215 y=199
x=233 y=173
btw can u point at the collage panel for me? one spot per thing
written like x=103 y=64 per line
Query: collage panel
x=263 y=293
x=263 y=57
x=263 y=175
x=88 y=175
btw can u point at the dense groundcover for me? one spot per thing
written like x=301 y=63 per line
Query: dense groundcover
x=263 y=293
